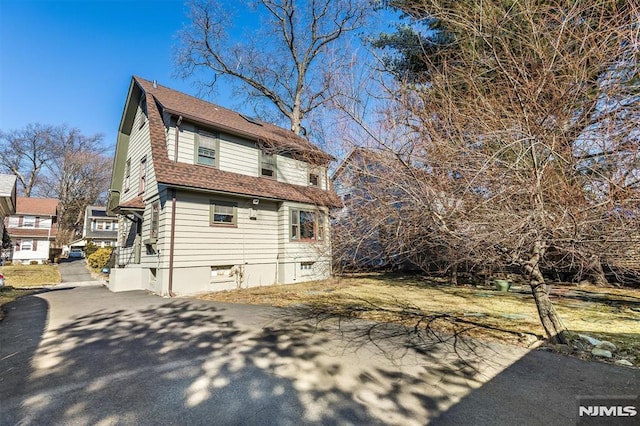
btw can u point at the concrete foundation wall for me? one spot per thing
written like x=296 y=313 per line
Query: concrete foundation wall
x=127 y=279
x=205 y=279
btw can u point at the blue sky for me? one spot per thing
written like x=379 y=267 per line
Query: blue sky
x=71 y=61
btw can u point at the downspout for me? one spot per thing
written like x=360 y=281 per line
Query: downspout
x=172 y=237
x=175 y=147
x=172 y=240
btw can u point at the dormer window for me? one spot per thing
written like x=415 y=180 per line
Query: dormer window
x=314 y=179
x=207 y=149
x=268 y=165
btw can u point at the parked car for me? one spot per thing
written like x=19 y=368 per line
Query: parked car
x=76 y=252
x=1 y=280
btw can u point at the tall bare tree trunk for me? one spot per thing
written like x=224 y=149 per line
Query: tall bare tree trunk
x=554 y=329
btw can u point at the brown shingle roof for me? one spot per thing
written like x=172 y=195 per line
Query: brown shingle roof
x=168 y=172
x=226 y=120
x=135 y=203
x=32 y=232
x=36 y=206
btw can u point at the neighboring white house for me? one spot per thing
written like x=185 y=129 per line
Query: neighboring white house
x=32 y=229
x=7 y=201
x=209 y=199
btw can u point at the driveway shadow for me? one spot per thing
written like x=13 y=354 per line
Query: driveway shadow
x=189 y=363
x=192 y=362
x=21 y=332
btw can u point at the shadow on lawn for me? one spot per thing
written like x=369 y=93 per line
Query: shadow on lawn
x=538 y=388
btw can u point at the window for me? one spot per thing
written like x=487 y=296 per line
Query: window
x=142 y=114
x=223 y=213
x=206 y=145
x=28 y=221
x=314 y=179
x=155 y=220
x=221 y=271
x=143 y=175
x=127 y=174
x=99 y=225
x=107 y=226
x=307 y=225
x=306 y=266
x=28 y=245
x=267 y=165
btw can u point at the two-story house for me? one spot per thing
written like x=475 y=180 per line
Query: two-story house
x=210 y=199
x=32 y=228
x=99 y=228
x=7 y=200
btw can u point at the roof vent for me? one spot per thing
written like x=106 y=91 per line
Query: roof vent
x=155 y=84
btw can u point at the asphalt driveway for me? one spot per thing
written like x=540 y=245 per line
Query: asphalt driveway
x=86 y=356
x=74 y=270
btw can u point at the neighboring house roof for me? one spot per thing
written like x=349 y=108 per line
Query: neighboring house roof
x=359 y=158
x=7 y=185
x=36 y=206
x=7 y=195
x=32 y=233
x=161 y=100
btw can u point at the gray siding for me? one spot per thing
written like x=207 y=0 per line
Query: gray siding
x=197 y=243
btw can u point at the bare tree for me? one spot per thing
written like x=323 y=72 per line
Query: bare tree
x=287 y=58
x=24 y=152
x=525 y=144
x=58 y=162
x=78 y=175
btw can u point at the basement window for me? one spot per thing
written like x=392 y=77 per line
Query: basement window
x=221 y=271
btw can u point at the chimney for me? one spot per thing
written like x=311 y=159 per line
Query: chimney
x=155 y=84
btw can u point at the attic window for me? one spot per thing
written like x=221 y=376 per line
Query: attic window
x=142 y=114
x=207 y=147
x=251 y=120
x=268 y=165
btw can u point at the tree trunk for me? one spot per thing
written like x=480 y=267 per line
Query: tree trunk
x=553 y=327
x=595 y=273
x=454 y=274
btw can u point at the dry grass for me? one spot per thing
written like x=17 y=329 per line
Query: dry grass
x=30 y=275
x=611 y=314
